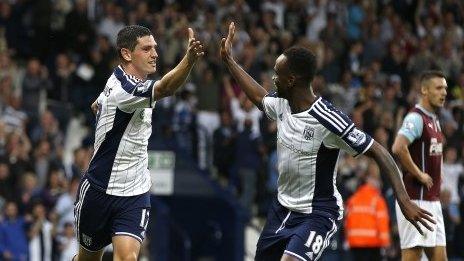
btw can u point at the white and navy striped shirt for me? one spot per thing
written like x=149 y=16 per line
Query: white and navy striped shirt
x=308 y=146
x=119 y=165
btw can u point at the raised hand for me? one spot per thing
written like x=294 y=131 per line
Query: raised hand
x=226 y=43
x=415 y=215
x=195 y=48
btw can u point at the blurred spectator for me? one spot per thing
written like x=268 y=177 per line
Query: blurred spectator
x=54 y=187
x=343 y=94
x=450 y=222
x=294 y=17
x=224 y=139
x=48 y=129
x=79 y=31
x=354 y=58
x=40 y=235
x=423 y=59
x=35 y=84
x=112 y=22
x=356 y=16
x=448 y=59
x=395 y=61
x=42 y=162
x=81 y=160
x=183 y=121
x=242 y=109
x=28 y=189
x=13 y=240
x=62 y=78
x=13 y=116
x=208 y=94
x=333 y=35
x=331 y=68
x=317 y=18
x=67 y=242
x=63 y=211
x=277 y=7
x=374 y=48
x=452 y=171
x=367 y=220
x=247 y=154
x=7 y=183
x=10 y=73
x=18 y=148
x=269 y=136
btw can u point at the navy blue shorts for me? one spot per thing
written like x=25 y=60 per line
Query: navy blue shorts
x=304 y=236
x=100 y=216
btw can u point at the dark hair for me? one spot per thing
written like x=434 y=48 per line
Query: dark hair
x=302 y=62
x=427 y=75
x=128 y=36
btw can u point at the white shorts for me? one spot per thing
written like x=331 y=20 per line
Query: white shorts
x=410 y=237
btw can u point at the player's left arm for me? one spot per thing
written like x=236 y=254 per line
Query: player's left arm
x=175 y=78
x=388 y=167
x=345 y=135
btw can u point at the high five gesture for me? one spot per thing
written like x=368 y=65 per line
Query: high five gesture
x=226 y=43
x=195 y=48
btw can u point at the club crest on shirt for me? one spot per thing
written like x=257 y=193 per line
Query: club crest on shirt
x=308 y=133
x=142 y=88
x=409 y=125
x=87 y=240
x=356 y=137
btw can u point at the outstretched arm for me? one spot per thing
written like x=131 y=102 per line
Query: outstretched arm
x=177 y=76
x=411 y=211
x=252 y=89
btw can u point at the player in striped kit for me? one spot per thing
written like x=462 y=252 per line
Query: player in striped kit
x=419 y=147
x=311 y=133
x=113 y=202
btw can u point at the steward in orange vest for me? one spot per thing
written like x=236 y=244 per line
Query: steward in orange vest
x=367 y=225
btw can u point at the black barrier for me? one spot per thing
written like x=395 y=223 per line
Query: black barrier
x=190 y=228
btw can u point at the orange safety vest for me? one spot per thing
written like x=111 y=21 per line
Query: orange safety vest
x=367 y=222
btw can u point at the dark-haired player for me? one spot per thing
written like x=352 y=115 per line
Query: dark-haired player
x=113 y=202
x=311 y=133
x=419 y=147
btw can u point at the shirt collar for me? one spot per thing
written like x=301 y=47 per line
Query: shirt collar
x=428 y=113
x=120 y=71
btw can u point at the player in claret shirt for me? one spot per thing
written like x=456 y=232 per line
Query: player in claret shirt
x=311 y=133
x=113 y=201
x=419 y=147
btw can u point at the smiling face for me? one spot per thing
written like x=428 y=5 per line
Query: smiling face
x=434 y=92
x=137 y=50
x=143 y=57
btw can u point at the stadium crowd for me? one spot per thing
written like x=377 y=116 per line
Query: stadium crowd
x=55 y=57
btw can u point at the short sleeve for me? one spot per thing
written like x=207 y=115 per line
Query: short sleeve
x=412 y=126
x=235 y=108
x=343 y=133
x=131 y=97
x=271 y=104
x=355 y=142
